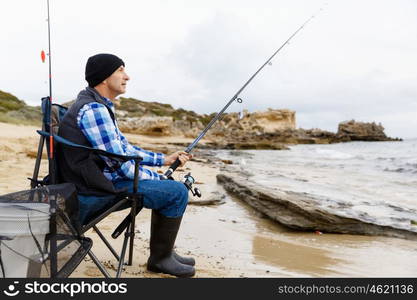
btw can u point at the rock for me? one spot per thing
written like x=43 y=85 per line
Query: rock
x=256 y=123
x=302 y=212
x=210 y=197
x=268 y=121
x=227 y=161
x=360 y=131
x=156 y=126
x=206 y=202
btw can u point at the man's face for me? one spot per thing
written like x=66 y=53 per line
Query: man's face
x=116 y=83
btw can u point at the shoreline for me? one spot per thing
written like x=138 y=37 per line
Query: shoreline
x=228 y=240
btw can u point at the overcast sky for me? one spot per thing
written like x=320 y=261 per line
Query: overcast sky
x=356 y=60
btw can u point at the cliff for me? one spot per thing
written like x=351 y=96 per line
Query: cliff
x=270 y=129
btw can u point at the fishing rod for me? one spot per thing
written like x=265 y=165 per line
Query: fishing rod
x=43 y=57
x=177 y=163
x=52 y=199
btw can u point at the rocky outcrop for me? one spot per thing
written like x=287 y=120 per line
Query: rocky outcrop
x=275 y=140
x=360 y=131
x=270 y=121
x=230 y=130
x=257 y=130
x=303 y=212
x=156 y=126
x=270 y=129
x=251 y=131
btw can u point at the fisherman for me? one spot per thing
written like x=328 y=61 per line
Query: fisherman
x=91 y=121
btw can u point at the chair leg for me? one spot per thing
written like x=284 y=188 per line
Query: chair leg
x=129 y=237
x=122 y=255
x=129 y=234
x=132 y=230
x=106 y=242
x=37 y=163
x=98 y=264
x=53 y=238
x=130 y=261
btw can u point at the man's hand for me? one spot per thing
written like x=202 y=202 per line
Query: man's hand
x=181 y=155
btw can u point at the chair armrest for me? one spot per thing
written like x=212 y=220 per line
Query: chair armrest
x=66 y=142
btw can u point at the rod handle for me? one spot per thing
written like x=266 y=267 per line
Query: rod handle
x=172 y=168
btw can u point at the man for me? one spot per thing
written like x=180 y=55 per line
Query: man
x=91 y=121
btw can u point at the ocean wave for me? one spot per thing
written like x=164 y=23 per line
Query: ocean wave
x=368 y=181
x=334 y=154
x=412 y=165
x=402 y=169
x=386 y=158
x=406 y=183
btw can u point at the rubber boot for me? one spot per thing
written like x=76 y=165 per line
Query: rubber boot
x=163 y=234
x=182 y=259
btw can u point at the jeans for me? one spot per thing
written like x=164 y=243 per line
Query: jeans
x=168 y=197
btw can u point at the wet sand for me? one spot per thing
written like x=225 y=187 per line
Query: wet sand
x=228 y=240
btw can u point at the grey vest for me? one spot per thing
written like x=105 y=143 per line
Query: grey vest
x=78 y=166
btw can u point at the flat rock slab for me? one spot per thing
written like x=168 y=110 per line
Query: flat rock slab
x=301 y=211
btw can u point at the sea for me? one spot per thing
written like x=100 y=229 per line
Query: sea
x=372 y=181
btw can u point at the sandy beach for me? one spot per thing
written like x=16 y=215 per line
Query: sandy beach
x=228 y=240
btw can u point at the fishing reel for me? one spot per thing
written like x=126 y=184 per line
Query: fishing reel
x=188 y=182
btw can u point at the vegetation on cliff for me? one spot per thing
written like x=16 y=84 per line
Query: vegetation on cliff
x=134 y=108
x=138 y=108
x=9 y=102
x=13 y=110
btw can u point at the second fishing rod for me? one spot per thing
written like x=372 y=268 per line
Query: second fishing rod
x=177 y=163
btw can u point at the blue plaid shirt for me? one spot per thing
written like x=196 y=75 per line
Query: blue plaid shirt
x=97 y=125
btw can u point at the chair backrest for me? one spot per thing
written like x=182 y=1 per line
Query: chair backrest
x=51 y=114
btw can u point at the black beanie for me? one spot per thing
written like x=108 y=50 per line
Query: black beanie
x=100 y=66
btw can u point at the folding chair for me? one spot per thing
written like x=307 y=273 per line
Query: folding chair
x=54 y=113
